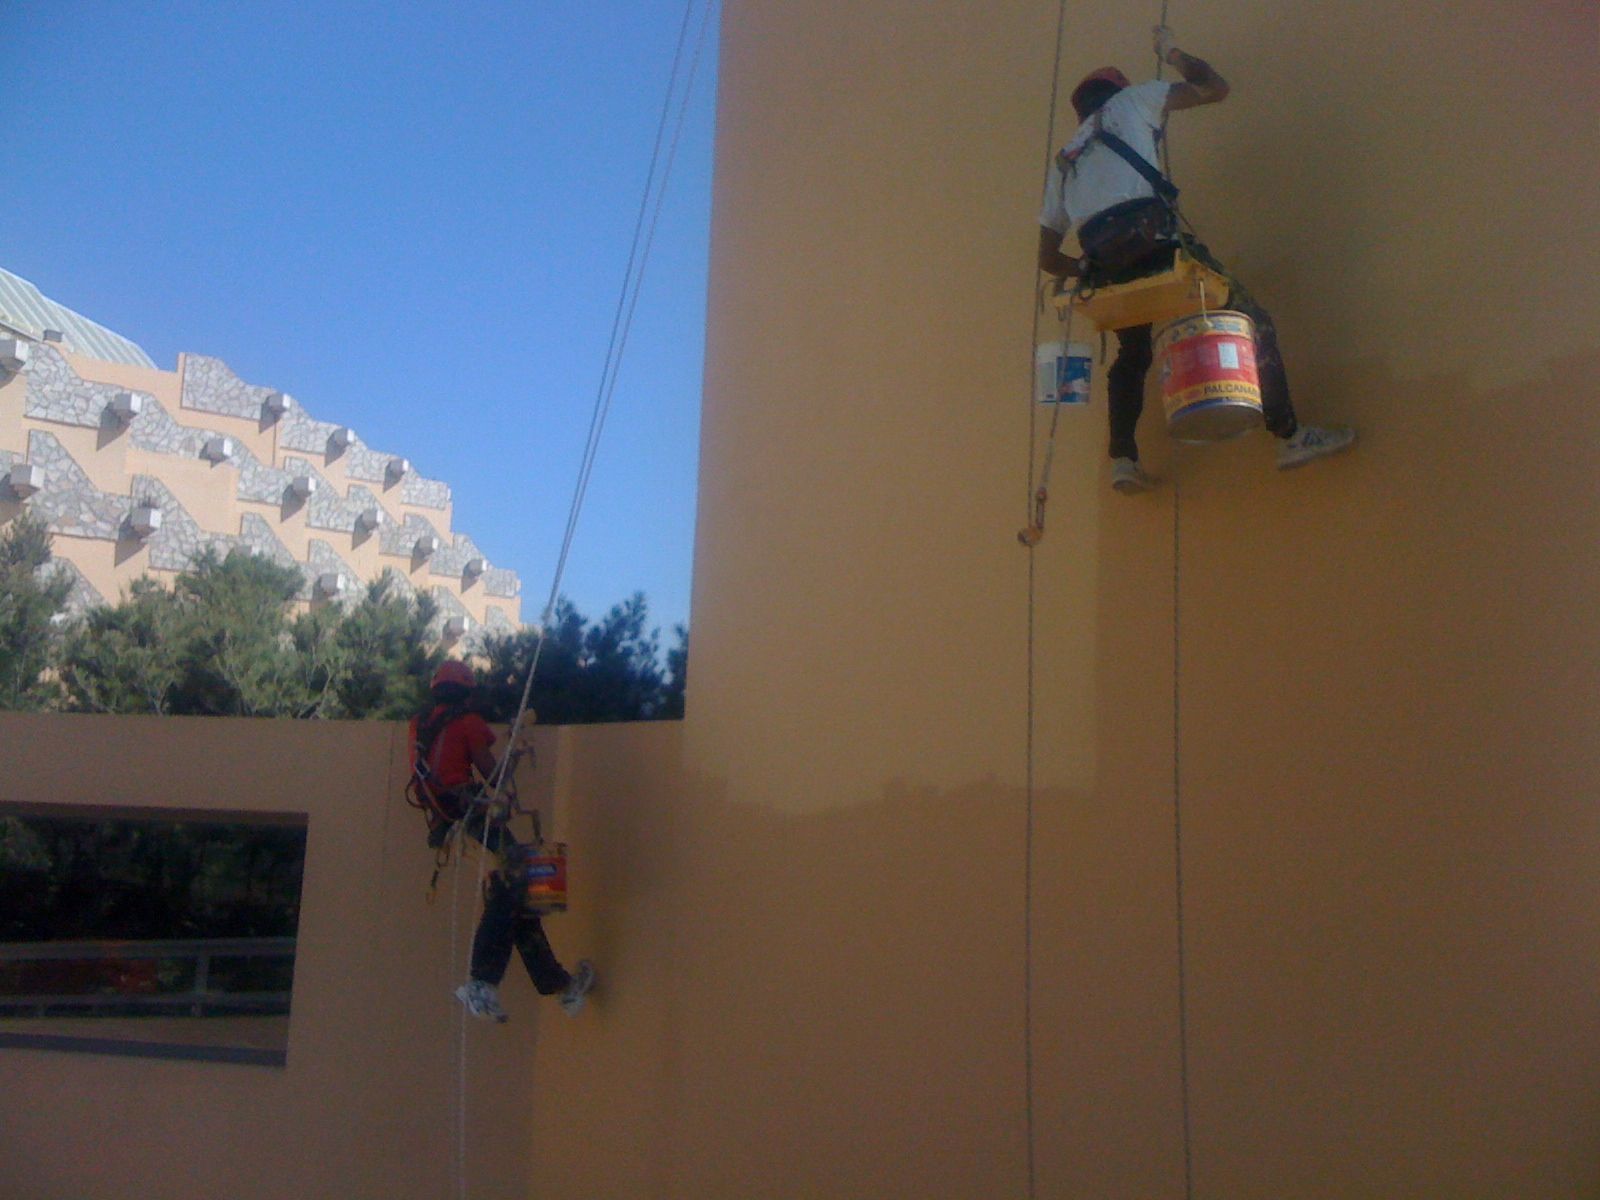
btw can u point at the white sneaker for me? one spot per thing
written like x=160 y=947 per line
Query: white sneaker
x=1128 y=477
x=481 y=1000
x=582 y=981
x=1311 y=442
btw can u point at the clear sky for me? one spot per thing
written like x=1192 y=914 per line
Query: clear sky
x=413 y=217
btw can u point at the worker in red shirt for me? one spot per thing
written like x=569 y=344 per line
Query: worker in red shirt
x=449 y=742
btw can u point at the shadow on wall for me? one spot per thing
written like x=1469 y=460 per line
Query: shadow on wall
x=128 y=547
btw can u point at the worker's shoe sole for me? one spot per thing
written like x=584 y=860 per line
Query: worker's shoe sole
x=1310 y=443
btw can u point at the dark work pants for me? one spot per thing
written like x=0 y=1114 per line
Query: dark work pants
x=505 y=925
x=1135 y=352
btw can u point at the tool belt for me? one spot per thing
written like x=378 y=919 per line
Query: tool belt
x=1129 y=238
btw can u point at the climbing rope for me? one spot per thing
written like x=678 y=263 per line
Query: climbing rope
x=1035 y=521
x=1177 y=721
x=622 y=323
x=1177 y=831
x=644 y=230
x=461 y=1040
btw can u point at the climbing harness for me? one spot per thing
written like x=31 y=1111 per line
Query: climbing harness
x=469 y=810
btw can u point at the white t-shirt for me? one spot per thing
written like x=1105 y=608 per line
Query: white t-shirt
x=1099 y=177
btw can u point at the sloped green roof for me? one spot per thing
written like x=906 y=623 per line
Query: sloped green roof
x=30 y=312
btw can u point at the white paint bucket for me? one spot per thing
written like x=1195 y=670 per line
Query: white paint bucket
x=1061 y=372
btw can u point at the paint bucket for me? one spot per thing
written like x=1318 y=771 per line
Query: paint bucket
x=1208 y=376
x=1061 y=372
x=539 y=876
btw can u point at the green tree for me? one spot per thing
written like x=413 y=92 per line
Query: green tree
x=30 y=599
x=677 y=674
x=239 y=656
x=388 y=655
x=606 y=671
x=222 y=642
x=319 y=662
x=126 y=658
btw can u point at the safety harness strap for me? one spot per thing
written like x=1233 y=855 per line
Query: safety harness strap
x=1163 y=186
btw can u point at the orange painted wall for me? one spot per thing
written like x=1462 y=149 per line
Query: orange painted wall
x=845 y=950
x=1383 y=666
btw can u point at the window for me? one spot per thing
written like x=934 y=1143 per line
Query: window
x=161 y=932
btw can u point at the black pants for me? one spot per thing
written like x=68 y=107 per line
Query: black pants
x=1135 y=352
x=505 y=924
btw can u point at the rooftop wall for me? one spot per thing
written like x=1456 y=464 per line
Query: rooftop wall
x=367 y=1103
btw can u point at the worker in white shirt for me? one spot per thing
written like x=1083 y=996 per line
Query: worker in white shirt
x=1105 y=186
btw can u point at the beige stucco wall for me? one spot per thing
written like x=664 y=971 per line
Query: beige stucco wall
x=845 y=950
x=1384 y=665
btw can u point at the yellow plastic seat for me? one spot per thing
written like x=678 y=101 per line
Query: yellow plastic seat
x=1187 y=287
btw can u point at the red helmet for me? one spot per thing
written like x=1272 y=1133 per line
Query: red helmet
x=452 y=671
x=1103 y=75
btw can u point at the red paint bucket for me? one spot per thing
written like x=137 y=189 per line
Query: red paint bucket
x=1209 y=384
x=539 y=875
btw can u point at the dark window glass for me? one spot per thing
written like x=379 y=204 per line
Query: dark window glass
x=167 y=932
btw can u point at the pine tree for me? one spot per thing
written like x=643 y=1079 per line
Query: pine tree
x=125 y=659
x=387 y=653
x=606 y=671
x=31 y=599
x=238 y=656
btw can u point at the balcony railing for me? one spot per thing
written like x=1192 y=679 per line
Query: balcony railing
x=136 y=992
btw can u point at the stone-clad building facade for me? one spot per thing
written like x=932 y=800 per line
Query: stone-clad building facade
x=137 y=469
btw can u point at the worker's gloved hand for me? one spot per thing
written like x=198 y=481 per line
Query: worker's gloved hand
x=1166 y=42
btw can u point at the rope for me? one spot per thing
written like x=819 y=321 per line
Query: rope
x=1177 y=734
x=1161 y=136
x=621 y=325
x=622 y=322
x=1177 y=832
x=1036 y=500
x=461 y=1038
x=1028 y=790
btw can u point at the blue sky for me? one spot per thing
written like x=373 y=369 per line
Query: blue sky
x=415 y=218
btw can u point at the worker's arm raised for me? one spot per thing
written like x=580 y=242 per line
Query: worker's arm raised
x=1201 y=83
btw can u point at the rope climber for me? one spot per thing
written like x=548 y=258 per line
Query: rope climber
x=1105 y=186
x=448 y=742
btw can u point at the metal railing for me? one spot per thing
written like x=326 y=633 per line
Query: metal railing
x=199 y=999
